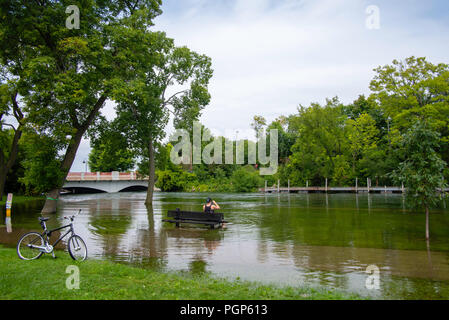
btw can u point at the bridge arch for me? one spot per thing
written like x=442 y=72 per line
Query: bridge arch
x=108 y=186
x=83 y=190
x=135 y=188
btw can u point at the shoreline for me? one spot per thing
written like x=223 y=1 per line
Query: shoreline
x=46 y=278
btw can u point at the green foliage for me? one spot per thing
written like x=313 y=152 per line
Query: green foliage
x=321 y=141
x=286 y=139
x=415 y=89
x=342 y=171
x=110 y=151
x=365 y=139
x=144 y=106
x=64 y=76
x=258 y=125
x=246 y=179
x=174 y=181
x=6 y=137
x=363 y=146
x=422 y=169
x=41 y=164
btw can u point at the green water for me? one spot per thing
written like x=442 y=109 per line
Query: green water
x=297 y=239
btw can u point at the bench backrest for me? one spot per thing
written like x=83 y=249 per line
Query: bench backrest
x=199 y=216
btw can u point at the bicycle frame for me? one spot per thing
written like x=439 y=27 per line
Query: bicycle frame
x=48 y=233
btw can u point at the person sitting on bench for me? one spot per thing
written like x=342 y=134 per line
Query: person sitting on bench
x=210 y=206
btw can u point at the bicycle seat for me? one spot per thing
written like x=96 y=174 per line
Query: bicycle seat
x=43 y=219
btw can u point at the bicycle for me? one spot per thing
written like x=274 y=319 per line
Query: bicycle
x=33 y=245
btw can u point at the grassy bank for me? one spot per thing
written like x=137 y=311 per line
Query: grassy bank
x=21 y=199
x=46 y=279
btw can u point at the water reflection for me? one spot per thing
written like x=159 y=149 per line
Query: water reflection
x=303 y=239
x=8 y=224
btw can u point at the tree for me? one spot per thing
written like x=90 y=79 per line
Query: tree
x=363 y=141
x=321 y=138
x=9 y=137
x=66 y=75
x=110 y=150
x=422 y=169
x=42 y=163
x=246 y=179
x=286 y=139
x=415 y=89
x=258 y=124
x=145 y=103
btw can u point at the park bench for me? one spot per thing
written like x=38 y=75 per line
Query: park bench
x=213 y=220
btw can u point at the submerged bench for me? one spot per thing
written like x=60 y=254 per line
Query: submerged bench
x=214 y=220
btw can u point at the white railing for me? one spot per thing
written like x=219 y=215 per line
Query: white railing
x=104 y=176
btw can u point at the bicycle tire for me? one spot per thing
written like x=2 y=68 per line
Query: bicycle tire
x=22 y=251
x=75 y=244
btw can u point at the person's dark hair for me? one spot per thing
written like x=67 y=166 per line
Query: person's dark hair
x=209 y=200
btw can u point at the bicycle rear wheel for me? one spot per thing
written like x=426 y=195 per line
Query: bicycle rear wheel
x=77 y=248
x=26 y=247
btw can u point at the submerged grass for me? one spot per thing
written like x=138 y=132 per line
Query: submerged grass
x=45 y=279
x=21 y=199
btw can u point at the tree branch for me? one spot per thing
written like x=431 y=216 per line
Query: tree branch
x=9 y=125
x=16 y=109
x=165 y=103
x=94 y=112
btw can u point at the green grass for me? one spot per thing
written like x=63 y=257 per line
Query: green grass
x=21 y=199
x=46 y=277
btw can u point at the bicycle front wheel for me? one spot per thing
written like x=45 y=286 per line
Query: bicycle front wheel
x=77 y=248
x=28 y=246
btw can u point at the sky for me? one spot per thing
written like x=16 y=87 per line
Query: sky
x=270 y=56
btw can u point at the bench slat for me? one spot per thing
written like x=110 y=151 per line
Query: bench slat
x=192 y=221
x=200 y=216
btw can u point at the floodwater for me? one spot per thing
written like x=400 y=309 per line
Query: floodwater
x=310 y=240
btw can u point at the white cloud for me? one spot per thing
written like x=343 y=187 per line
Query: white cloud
x=270 y=56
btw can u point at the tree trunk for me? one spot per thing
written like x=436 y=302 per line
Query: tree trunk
x=152 y=173
x=2 y=183
x=6 y=166
x=427 y=224
x=53 y=196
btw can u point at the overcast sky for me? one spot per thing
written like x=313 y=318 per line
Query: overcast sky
x=269 y=56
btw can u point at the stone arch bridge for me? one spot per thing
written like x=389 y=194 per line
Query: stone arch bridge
x=109 y=182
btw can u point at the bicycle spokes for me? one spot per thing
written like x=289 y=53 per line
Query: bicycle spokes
x=30 y=246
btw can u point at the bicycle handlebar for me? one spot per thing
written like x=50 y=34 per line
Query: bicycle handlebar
x=73 y=217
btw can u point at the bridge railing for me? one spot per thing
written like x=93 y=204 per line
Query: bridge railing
x=104 y=176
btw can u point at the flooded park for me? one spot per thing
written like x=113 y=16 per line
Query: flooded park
x=310 y=240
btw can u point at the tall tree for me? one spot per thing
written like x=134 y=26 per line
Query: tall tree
x=145 y=104
x=363 y=141
x=10 y=134
x=286 y=139
x=258 y=124
x=67 y=74
x=42 y=162
x=415 y=89
x=321 y=141
x=422 y=169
